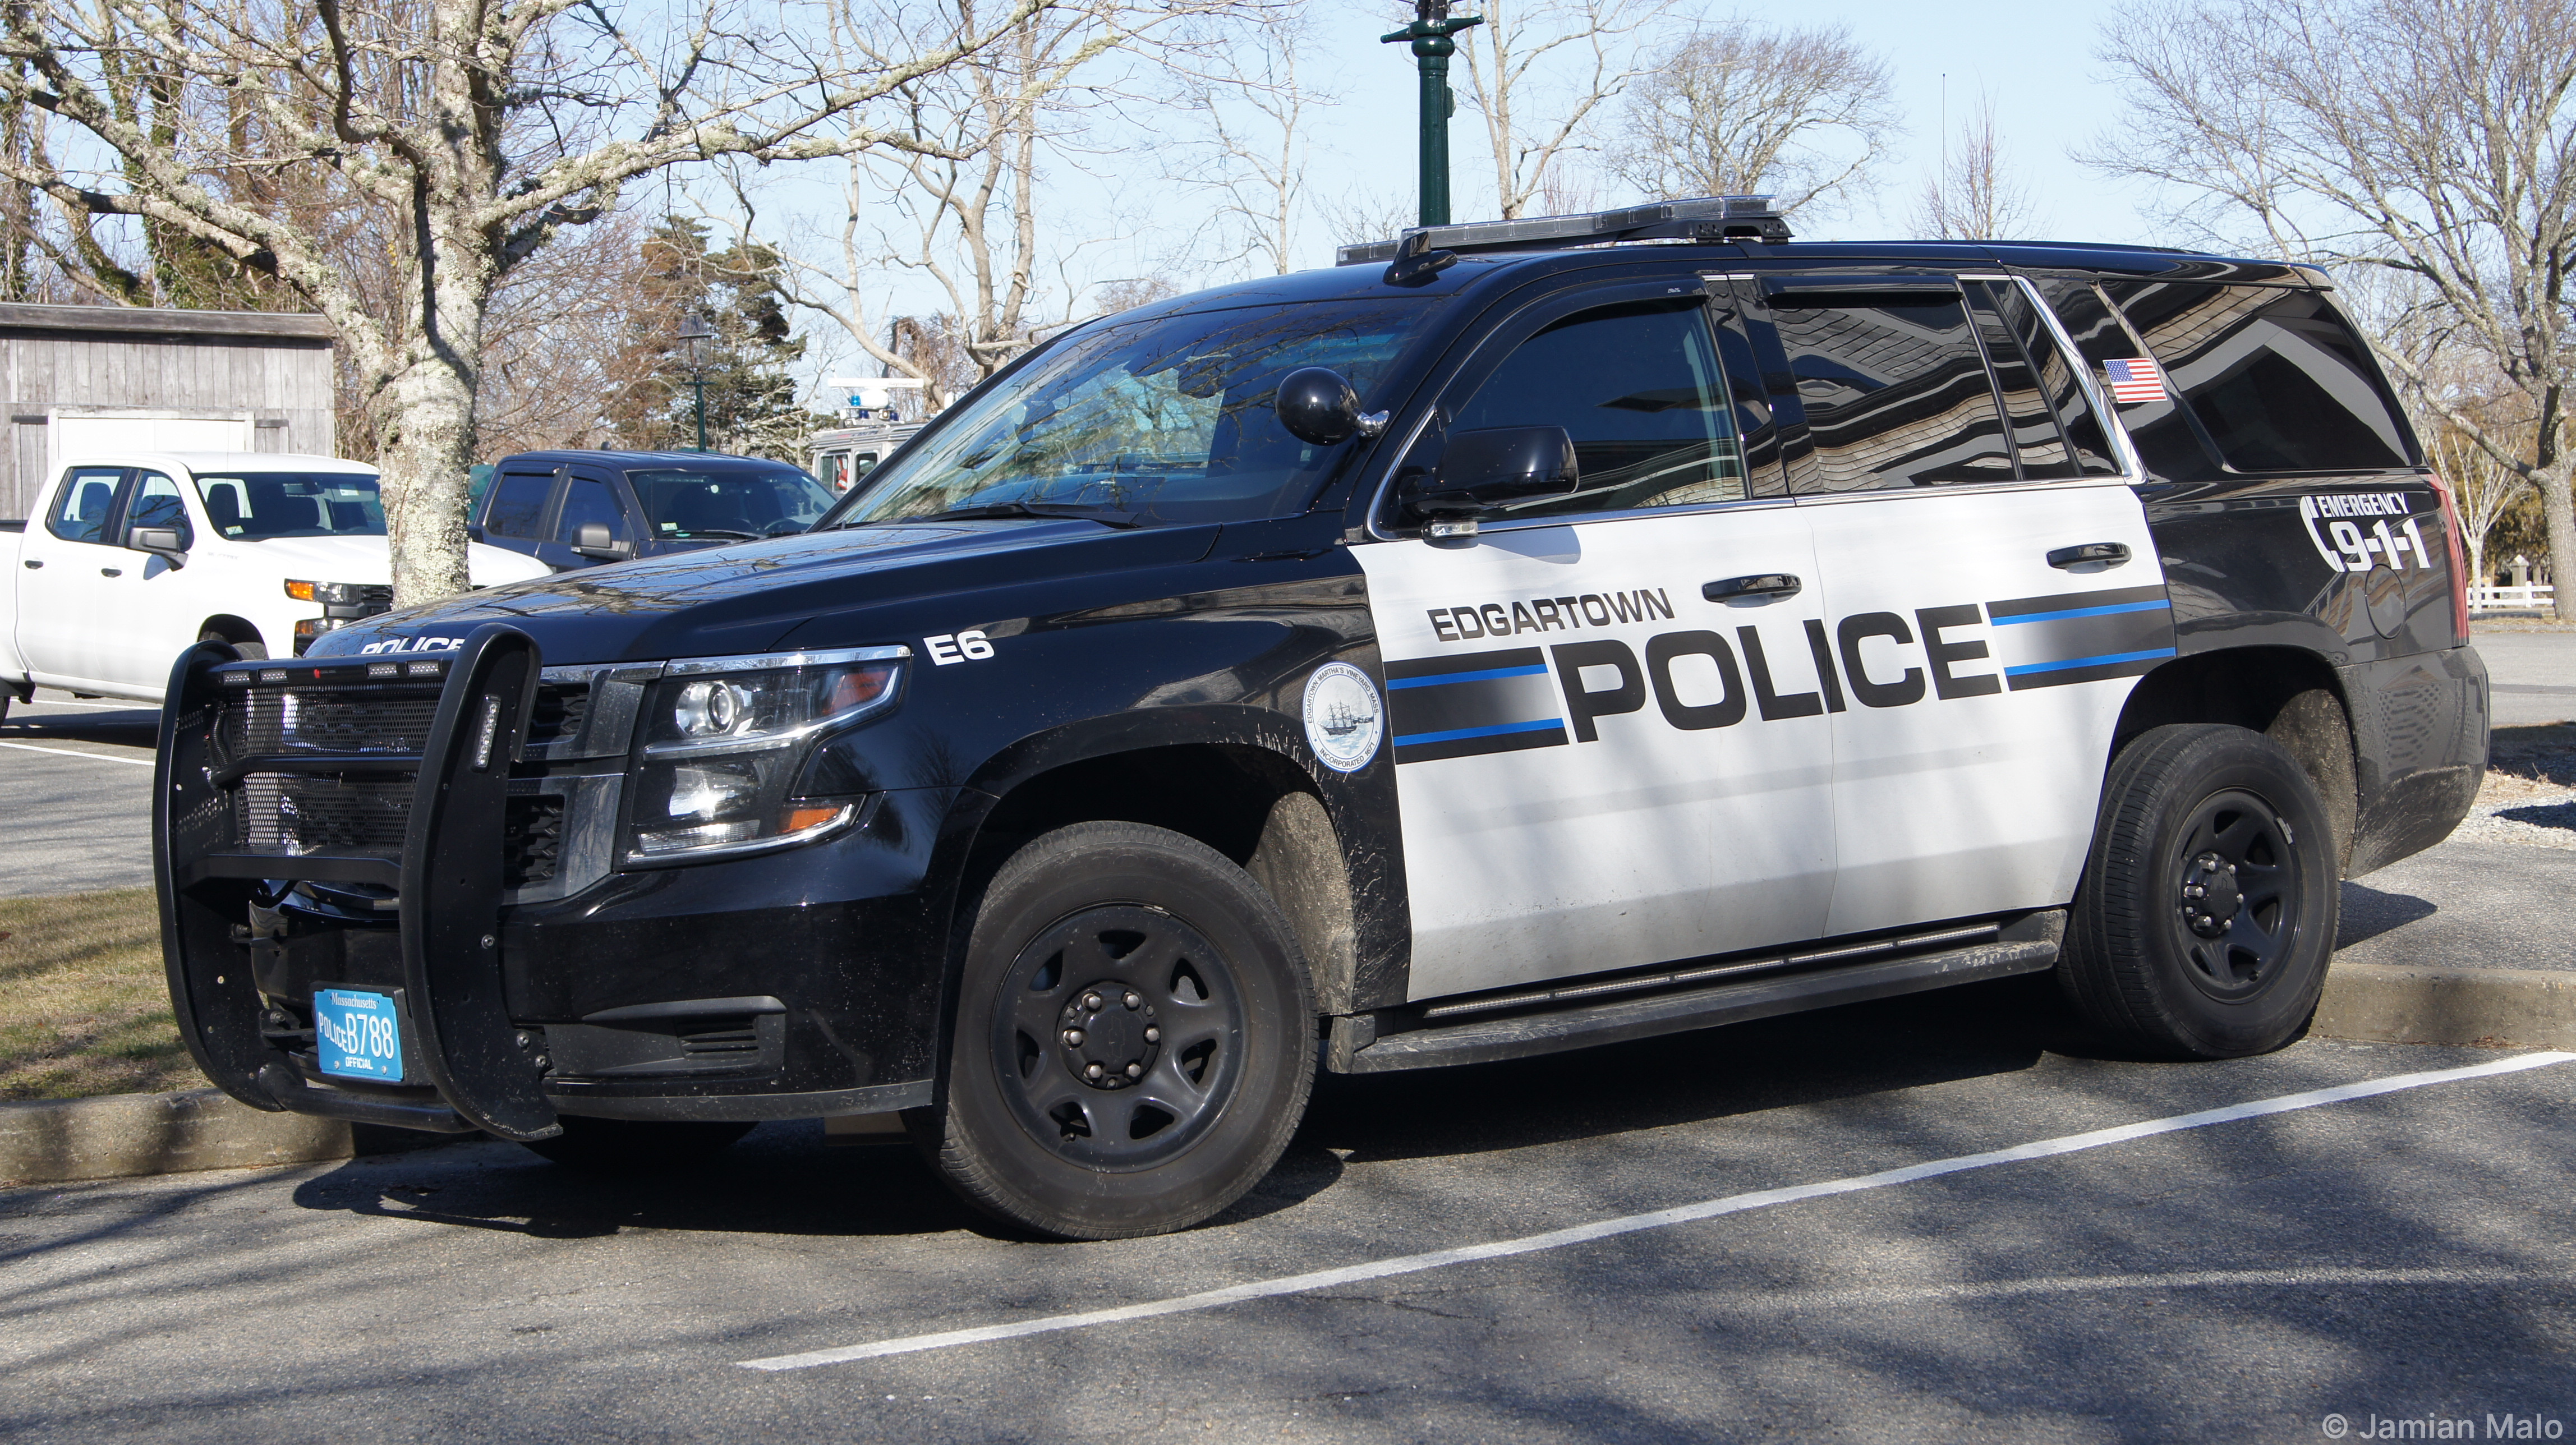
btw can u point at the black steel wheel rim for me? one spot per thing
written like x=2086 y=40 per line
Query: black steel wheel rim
x=2233 y=890
x=1118 y=1037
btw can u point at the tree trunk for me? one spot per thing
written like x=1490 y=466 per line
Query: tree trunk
x=424 y=426
x=2558 y=515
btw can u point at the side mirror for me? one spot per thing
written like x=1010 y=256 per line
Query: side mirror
x=161 y=542
x=1316 y=405
x=595 y=540
x=1492 y=466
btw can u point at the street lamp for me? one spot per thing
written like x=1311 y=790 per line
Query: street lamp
x=695 y=331
x=1432 y=47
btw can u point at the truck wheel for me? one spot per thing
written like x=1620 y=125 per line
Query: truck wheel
x=1133 y=1043
x=633 y=1146
x=250 y=651
x=2205 y=916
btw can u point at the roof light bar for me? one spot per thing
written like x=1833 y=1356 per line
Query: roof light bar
x=1706 y=218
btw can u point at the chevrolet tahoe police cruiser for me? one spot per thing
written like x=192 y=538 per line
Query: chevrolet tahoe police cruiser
x=1520 y=637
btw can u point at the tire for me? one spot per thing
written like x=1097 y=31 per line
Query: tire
x=2234 y=968
x=250 y=651
x=1038 y=1127
x=634 y=1146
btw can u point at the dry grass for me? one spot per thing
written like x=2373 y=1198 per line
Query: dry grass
x=2529 y=762
x=83 y=1006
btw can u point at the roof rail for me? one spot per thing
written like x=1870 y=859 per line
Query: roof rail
x=1704 y=218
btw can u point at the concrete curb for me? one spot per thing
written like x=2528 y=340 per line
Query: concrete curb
x=116 y=1136
x=122 y=1135
x=2405 y=1004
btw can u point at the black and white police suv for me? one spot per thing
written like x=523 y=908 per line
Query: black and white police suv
x=1520 y=637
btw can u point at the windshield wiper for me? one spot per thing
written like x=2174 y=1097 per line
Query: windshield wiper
x=695 y=532
x=1023 y=509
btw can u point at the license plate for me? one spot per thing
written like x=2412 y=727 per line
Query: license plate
x=358 y=1034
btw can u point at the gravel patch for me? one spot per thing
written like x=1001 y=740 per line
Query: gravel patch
x=2548 y=821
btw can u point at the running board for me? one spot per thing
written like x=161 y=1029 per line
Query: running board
x=2028 y=945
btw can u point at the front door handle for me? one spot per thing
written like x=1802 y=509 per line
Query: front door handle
x=111 y=571
x=33 y=564
x=2107 y=554
x=1770 y=586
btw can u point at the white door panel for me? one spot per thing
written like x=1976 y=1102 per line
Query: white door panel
x=1984 y=687
x=67 y=604
x=1577 y=796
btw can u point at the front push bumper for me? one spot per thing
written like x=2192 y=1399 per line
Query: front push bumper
x=480 y=1072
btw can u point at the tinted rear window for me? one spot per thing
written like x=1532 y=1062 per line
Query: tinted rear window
x=1895 y=390
x=2273 y=375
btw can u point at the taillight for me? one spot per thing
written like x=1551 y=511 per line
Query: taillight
x=2458 y=541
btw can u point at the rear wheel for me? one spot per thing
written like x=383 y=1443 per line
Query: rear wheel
x=1133 y=1039
x=635 y=1146
x=2205 y=917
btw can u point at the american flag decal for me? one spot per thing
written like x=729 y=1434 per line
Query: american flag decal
x=2135 y=381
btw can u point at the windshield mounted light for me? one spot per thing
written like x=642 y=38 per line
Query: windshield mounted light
x=725 y=738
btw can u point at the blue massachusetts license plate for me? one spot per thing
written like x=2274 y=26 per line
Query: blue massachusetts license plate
x=358 y=1034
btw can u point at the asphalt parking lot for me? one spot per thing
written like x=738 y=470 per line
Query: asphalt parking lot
x=76 y=789
x=2399 y=1254
x=1783 y=1229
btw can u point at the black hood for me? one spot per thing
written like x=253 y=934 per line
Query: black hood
x=747 y=597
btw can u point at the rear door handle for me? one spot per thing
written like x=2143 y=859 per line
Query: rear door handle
x=1770 y=585
x=33 y=564
x=2107 y=554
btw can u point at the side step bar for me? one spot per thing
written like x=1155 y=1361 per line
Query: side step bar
x=2029 y=945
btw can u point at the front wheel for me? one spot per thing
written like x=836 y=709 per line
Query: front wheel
x=1133 y=1039
x=2205 y=917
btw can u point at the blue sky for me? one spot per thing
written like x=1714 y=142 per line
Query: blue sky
x=2036 y=62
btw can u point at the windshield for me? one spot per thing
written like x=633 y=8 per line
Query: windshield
x=255 y=506
x=1161 y=421
x=730 y=504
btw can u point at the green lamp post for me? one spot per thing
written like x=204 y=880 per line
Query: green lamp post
x=697 y=333
x=1430 y=33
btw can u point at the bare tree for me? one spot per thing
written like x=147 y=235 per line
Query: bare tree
x=963 y=207
x=479 y=129
x=2485 y=488
x=1973 y=195
x=1541 y=73
x=2434 y=139
x=1804 y=115
x=1258 y=99
x=1359 y=216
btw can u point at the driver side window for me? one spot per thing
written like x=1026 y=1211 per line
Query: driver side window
x=156 y=504
x=1640 y=389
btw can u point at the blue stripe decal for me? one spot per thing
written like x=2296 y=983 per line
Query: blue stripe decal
x=1417 y=739
x=2083 y=612
x=1535 y=669
x=2105 y=660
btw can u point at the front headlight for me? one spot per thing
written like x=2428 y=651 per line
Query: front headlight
x=329 y=594
x=724 y=738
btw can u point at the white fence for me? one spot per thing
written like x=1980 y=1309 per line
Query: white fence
x=2498 y=599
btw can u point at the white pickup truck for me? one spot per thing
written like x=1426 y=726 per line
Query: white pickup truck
x=133 y=556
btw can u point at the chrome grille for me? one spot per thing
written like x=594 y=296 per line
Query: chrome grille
x=532 y=837
x=561 y=711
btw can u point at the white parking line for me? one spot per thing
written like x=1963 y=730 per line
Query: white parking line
x=68 y=753
x=1659 y=1219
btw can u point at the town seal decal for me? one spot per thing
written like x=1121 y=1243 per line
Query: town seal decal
x=1344 y=719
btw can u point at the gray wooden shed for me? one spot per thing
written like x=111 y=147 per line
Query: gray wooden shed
x=79 y=378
